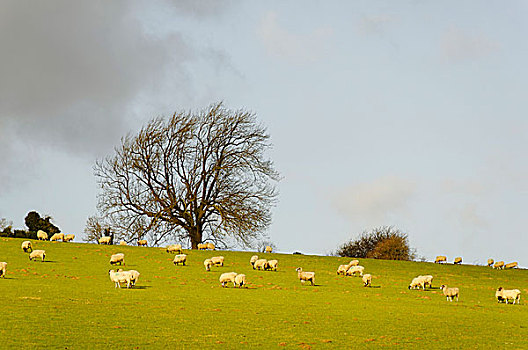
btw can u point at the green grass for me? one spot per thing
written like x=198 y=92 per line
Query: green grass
x=70 y=302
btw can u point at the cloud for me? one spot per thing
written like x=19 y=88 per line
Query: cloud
x=458 y=45
x=282 y=43
x=379 y=202
x=374 y=25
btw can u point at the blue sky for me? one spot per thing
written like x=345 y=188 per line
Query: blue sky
x=408 y=113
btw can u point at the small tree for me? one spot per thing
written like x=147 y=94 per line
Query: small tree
x=35 y=222
x=384 y=242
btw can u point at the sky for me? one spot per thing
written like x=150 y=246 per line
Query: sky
x=402 y=113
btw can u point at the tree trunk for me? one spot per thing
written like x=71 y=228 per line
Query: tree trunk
x=196 y=237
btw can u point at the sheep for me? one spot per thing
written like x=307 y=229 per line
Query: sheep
x=3 y=269
x=342 y=269
x=202 y=246
x=69 y=237
x=305 y=275
x=122 y=242
x=367 y=280
x=227 y=277
x=511 y=265
x=117 y=258
x=458 y=260
x=41 y=235
x=182 y=258
x=37 y=254
x=260 y=264
x=104 y=240
x=217 y=260
x=505 y=294
x=353 y=263
x=57 y=237
x=450 y=293
x=207 y=264
x=428 y=280
x=27 y=247
x=490 y=262
x=420 y=281
x=440 y=259
x=134 y=275
x=119 y=277
x=174 y=248
x=273 y=264
x=142 y=242
x=253 y=259
x=210 y=246
x=268 y=249
x=240 y=280
x=355 y=269
x=499 y=265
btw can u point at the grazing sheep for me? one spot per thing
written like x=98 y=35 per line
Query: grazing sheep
x=69 y=237
x=117 y=258
x=27 y=247
x=305 y=275
x=499 y=265
x=122 y=242
x=217 y=260
x=458 y=260
x=506 y=294
x=355 y=269
x=440 y=259
x=428 y=280
x=367 y=280
x=119 y=277
x=268 y=249
x=342 y=269
x=511 y=265
x=421 y=281
x=227 y=277
x=273 y=264
x=57 y=237
x=182 y=258
x=142 y=242
x=490 y=262
x=41 y=235
x=3 y=269
x=253 y=259
x=450 y=293
x=202 y=246
x=260 y=264
x=240 y=280
x=210 y=246
x=134 y=275
x=174 y=248
x=104 y=240
x=207 y=264
x=353 y=263
x=37 y=254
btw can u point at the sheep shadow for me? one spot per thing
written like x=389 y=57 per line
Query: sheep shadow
x=140 y=287
x=374 y=286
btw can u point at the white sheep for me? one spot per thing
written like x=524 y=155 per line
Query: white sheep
x=499 y=265
x=268 y=249
x=217 y=260
x=260 y=264
x=134 y=276
x=57 y=237
x=180 y=259
x=117 y=258
x=367 y=279
x=202 y=246
x=207 y=264
x=440 y=259
x=104 y=240
x=122 y=242
x=27 y=247
x=174 y=248
x=227 y=277
x=69 y=237
x=450 y=293
x=353 y=263
x=490 y=262
x=458 y=260
x=506 y=294
x=273 y=264
x=305 y=276
x=37 y=254
x=420 y=281
x=142 y=242
x=119 y=277
x=342 y=269
x=240 y=280
x=511 y=265
x=3 y=269
x=41 y=235
x=210 y=246
x=355 y=269
x=253 y=259
x=428 y=280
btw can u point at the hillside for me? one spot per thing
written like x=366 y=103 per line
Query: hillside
x=69 y=302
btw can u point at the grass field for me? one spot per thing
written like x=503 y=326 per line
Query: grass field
x=70 y=302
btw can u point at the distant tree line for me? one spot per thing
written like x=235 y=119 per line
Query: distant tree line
x=34 y=222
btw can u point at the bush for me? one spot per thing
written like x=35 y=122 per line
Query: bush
x=381 y=243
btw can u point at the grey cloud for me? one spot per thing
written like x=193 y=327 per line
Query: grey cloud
x=458 y=45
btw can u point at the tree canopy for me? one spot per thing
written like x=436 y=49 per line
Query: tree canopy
x=197 y=176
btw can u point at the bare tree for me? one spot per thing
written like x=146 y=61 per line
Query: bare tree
x=197 y=176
